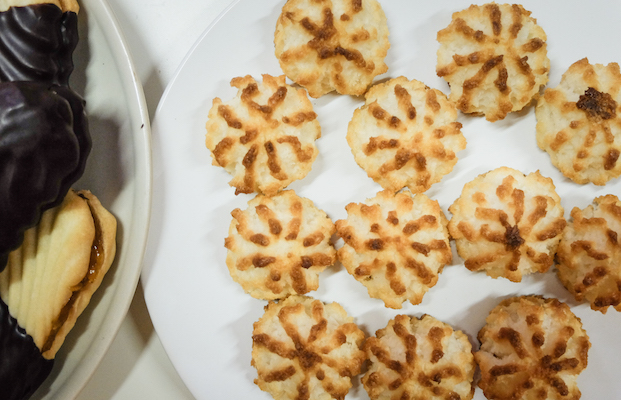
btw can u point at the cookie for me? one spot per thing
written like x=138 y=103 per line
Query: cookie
x=338 y=45
x=507 y=224
x=405 y=135
x=279 y=245
x=44 y=135
x=579 y=123
x=305 y=349
x=494 y=58
x=395 y=245
x=44 y=146
x=422 y=358
x=51 y=278
x=589 y=254
x=265 y=136
x=531 y=348
x=38 y=40
x=63 y=5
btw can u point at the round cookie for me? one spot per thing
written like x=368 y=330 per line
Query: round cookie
x=531 y=348
x=507 y=224
x=305 y=349
x=406 y=134
x=265 y=136
x=494 y=58
x=589 y=254
x=338 y=45
x=395 y=245
x=579 y=123
x=279 y=245
x=419 y=358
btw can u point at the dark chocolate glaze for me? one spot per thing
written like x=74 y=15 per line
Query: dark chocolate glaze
x=82 y=133
x=22 y=367
x=37 y=43
x=43 y=150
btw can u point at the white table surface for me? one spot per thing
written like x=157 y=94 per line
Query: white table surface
x=158 y=33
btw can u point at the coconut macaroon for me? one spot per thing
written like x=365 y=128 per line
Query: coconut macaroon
x=406 y=134
x=589 y=255
x=494 y=58
x=50 y=279
x=579 y=122
x=507 y=224
x=531 y=348
x=279 y=245
x=338 y=45
x=419 y=359
x=265 y=136
x=395 y=245
x=305 y=349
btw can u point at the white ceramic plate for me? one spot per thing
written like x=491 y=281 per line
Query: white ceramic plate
x=118 y=172
x=204 y=319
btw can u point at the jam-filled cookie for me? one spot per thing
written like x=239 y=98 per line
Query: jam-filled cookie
x=279 y=245
x=507 y=224
x=579 y=122
x=44 y=145
x=265 y=136
x=532 y=348
x=589 y=254
x=494 y=57
x=303 y=348
x=337 y=45
x=44 y=136
x=422 y=358
x=395 y=245
x=49 y=281
x=406 y=134
x=38 y=40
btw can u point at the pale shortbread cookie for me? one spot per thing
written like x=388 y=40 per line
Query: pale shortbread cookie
x=406 y=134
x=419 y=359
x=494 y=58
x=64 y=5
x=305 y=349
x=579 y=122
x=51 y=278
x=507 y=224
x=265 y=136
x=395 y=245
x=589 y=255
x=279 y=245
x=332 y=45
x=532 y=348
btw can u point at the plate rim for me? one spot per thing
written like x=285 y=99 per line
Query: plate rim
x=124 y=291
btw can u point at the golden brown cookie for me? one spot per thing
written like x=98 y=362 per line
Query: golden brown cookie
x=531 y=348
x=395 y=245
x=589 y=255
x=494 y=58
x=579 y=122
x=305 y=349
x=332 y=45
x=51 y=278
x=419 y=359
x=507 y=224
x=406 y=134
x=265 y=136
x=279 y=245
x=64 y=5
